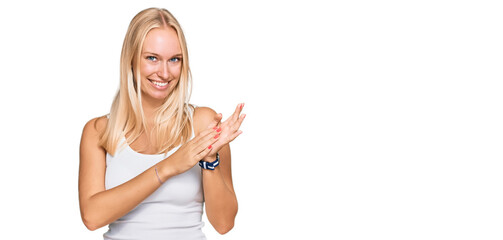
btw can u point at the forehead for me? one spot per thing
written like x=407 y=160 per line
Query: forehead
x=162 y=41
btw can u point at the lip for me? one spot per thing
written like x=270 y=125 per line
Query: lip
x=158 y=87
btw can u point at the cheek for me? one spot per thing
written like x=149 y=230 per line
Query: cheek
x=146 y=70
x=176 y=70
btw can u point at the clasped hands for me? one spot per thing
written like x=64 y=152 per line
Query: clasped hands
x=206 y=145
x=229 y=130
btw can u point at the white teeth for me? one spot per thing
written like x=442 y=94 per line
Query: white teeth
x=159 y=84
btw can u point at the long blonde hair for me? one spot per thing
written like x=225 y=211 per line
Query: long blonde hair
x=173 y=119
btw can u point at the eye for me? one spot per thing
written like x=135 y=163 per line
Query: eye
x=175 y=59
x=151 y=58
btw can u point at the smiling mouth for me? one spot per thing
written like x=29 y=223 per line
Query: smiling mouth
x=159 y=83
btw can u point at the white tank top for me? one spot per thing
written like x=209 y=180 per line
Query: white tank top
x=173 y=211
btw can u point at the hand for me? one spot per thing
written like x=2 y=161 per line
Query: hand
x=194 y=150
x=229 y=130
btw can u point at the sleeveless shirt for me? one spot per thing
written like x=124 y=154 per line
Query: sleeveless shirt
x=173 y=211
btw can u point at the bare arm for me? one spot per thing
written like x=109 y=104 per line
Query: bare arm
x=100 y=207
x=220 y=198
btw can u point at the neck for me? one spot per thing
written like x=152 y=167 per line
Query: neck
x=150 y=105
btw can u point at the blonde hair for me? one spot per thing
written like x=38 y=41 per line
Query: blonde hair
x=173 y=120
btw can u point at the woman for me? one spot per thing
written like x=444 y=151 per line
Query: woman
x=147 y=167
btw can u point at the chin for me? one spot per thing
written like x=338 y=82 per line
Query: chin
x=156 y=95
x=161 y=96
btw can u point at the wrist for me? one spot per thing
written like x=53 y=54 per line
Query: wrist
x=210 y=164
x=166 y=171
x=210 y=158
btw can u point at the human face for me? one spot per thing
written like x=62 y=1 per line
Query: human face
x=160 y=63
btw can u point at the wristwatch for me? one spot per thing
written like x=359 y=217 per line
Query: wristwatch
x=210 y=165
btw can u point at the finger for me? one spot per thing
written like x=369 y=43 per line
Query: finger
x=234 y=136
x=215 y=126
x=216 y=120
x=204 y=153
x=234 y=115
x=204 y=134
x=237 y=124
x=241 y=119
x=238 y=110
x=214 y=133
x=207 y=143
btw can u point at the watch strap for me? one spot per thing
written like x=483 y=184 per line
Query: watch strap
x=210 y=165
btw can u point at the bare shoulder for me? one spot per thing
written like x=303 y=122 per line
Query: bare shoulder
x=95 y=126
x=203 y=116
x=90 y=148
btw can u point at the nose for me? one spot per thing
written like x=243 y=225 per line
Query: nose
x=164 y=71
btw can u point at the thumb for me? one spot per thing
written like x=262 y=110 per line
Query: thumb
x=216 y=120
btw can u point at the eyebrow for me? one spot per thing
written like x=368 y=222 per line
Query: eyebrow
x=155 y=54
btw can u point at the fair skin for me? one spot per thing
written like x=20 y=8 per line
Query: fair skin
x=161 y=62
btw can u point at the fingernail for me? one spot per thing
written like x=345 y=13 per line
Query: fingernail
x=209 y=147
x=215 y=128
x=216 y=136
x=219 y=129
x=242 y=104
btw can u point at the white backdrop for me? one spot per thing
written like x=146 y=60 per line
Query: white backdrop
x=365 y=119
